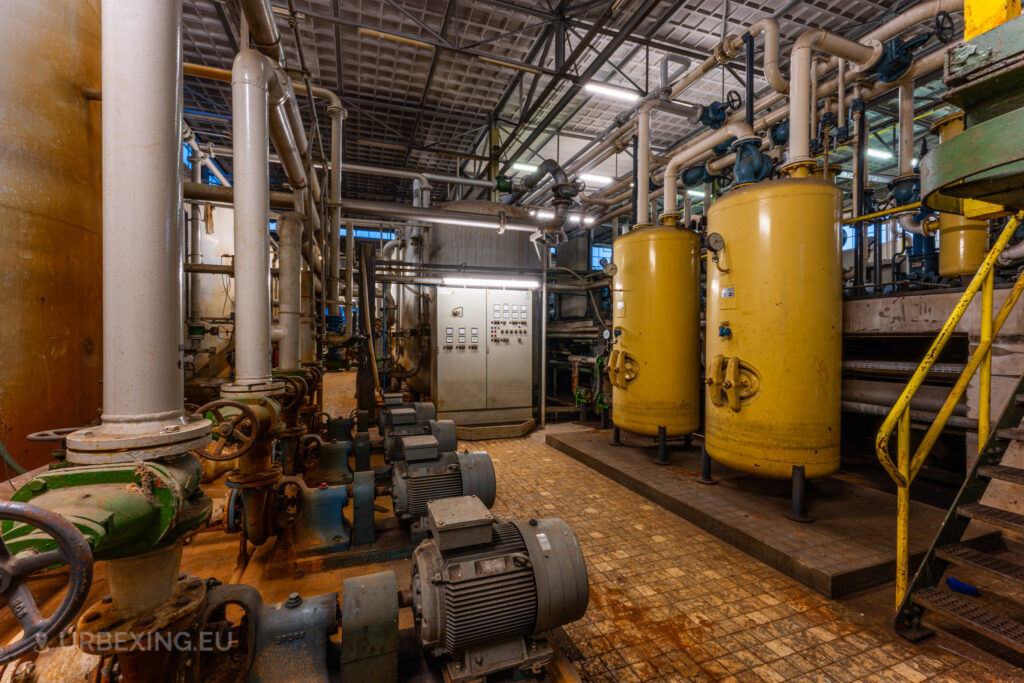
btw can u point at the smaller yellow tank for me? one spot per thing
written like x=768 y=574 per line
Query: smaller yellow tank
x=654 y=362
x=963 y=243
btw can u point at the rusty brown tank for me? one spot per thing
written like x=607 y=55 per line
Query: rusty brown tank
x=50 y=213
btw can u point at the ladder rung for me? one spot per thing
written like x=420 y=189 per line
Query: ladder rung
x=965 y=556
x=986 y=514
x=1014 y=475
x=974 y=615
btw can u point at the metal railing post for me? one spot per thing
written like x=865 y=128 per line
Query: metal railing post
x=985 y=377
x=903 y=508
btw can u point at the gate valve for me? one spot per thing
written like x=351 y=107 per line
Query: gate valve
x=752 y=165
x=20 y=559
x=713 y=115
x=724 y=330
x=295 y=389
x=236 y=429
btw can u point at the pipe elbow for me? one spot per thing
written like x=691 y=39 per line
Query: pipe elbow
x=250 y=68
x=909 y=223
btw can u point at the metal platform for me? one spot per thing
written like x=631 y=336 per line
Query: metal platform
x=849 y=547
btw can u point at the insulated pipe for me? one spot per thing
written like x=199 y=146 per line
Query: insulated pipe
x=289 y=233
x=691 y=154
x=262 y=29
x=142 y=255
x=643 y=165
x=841 y=91
x=800 y=132
x=251 y=75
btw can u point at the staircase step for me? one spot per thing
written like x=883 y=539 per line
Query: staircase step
x=974 y=615
x=1011 y=433
x=1014 y=475
x=1003 y=519
x=965 y=556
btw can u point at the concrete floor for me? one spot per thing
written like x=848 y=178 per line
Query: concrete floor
x=671 y=602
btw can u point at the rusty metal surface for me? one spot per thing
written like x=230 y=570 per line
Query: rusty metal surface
x=50 y=210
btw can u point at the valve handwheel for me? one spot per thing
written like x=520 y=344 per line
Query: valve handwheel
x=236 y=428
x=945 y=30
x=72 y=549
x=294 y=391
x=60 y=435
x=734 y=100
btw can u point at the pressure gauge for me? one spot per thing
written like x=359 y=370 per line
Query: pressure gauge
x=715 y=242
x=607 y=334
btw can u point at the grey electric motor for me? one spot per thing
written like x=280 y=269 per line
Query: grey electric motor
x=484 y=590
x=414 y=483
x=409 y=419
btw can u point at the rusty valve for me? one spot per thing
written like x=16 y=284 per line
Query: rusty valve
x=236 y=428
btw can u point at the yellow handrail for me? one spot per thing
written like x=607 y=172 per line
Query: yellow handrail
x=905 y=469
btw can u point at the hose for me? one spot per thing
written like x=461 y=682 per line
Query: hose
x=9 y=459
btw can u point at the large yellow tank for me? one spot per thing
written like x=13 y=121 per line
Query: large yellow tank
x=963 y=243
x=50 y=213
x=774 y=328
x=654 y=362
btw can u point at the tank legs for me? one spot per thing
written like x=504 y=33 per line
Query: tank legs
x=583 y=412
x=616 y=440
x=705 y=467
x=688 y=441
x=604 y=418
x=798 y=513
x=662 y=458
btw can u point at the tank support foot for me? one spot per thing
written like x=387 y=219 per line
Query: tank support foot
x=688 y=441
x=662 y=458
x=798 y=513
x=583 y=412
x=616 y=440
x=604 y=419
x=705 y=468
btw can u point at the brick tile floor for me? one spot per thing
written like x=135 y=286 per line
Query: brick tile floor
x=670 y=602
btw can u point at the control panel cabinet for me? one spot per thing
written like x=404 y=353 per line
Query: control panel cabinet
x=483 y=354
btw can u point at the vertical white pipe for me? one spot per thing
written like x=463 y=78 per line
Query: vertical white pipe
x=643 y=165
x=249 y=78
x=841 y=92
x=289 y=231
x=142 y=254
x=906 y=151
x=337 y=115
x=195 y=253
x=799 y=103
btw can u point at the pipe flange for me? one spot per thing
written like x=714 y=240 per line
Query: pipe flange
x=263 y=388
x=104 y=630
x=114 y=442
x=339 y=110
x=877 y=48
x=792 y=168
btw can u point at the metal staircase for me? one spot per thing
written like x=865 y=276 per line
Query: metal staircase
x=923 y=592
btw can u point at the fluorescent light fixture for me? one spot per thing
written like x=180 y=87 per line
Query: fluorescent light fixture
x=913 y=162
x=612 y=91
x=847 y=175
x=699 y=194
x=527 y=168
x=515 y=227
x=879 y=153
x=596 y=179
x=487 y=282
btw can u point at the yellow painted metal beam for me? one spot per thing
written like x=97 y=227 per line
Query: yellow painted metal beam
x=983 y=15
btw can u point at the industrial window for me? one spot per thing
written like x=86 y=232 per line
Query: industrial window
x=598 y=252
x=371 y=234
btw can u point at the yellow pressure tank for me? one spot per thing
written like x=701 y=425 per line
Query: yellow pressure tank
x=653 y=365
x=963 y=243
x=774 y=328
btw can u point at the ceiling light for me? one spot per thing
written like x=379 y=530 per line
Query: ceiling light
x=596 y=179
x=699 y=194
x=398 y=39
x=879 y=153
x=527 y=168
x=487 y=282
x=612 y=91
